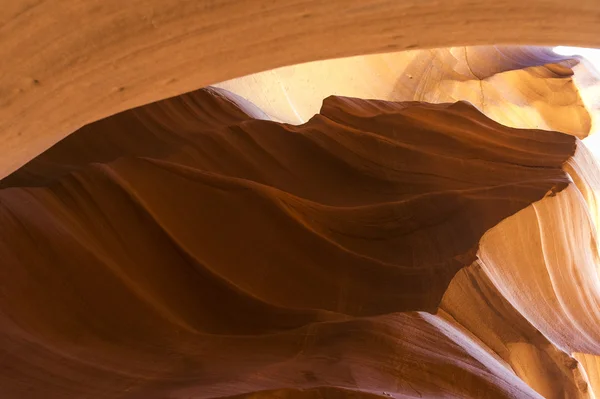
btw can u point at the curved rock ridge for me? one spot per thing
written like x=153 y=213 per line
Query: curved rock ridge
x=518 y=86
x=559 y=290
x=586 y=77
x=56 y=79
x=473 y=303
x=591 y=366
x=186 y=249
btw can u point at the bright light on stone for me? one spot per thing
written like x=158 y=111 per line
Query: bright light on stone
x=593 y=57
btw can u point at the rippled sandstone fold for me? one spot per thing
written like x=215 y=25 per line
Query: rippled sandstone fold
x=559 y=290
x=518 y=86
x=475 y=304
x=187 y=249
x=56 y=79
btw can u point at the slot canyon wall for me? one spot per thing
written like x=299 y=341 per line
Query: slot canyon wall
x=67 y=63
x=415 y=224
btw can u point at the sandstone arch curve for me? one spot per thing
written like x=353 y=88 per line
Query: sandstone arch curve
x=67 y=63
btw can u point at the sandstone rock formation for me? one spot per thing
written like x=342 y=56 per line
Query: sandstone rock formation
x=515 y=86
x=417 y=224
x=67 y=63
x=187 y=249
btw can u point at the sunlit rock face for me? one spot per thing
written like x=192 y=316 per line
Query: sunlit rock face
x=436 y=238
x=188 y=225
x=517 y=86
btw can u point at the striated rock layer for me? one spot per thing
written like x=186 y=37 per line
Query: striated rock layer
x=188 y=250
x=56 y=78
x=524 y=87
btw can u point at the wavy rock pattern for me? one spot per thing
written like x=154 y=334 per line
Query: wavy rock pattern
x=591 y=366
x=559 y=291
x=523 y=87
x=187 y=249
x=55 y=79
x=474 y=303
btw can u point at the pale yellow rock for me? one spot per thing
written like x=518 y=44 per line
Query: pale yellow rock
x=510 y=85
x=474 y=304
x=544 y=260
x=591 y=365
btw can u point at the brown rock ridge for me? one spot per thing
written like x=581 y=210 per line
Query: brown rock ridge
x=523 y=87
x=56 y=78
x=186 y=249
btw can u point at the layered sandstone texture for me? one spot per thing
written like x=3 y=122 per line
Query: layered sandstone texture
x=420 y=224
x=67 y=63
x=187 y=249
